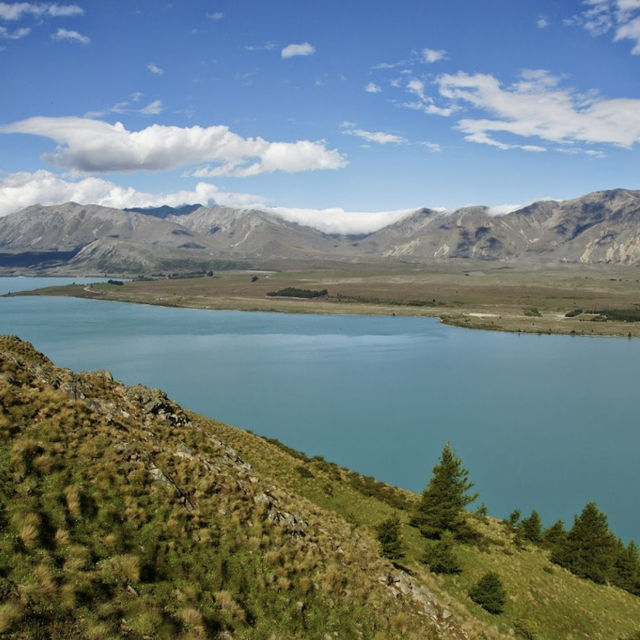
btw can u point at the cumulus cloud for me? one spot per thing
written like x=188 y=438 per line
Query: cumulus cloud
x=93 y=145
x=72 y=36
x=379 y=137
x=19 y=190
x=536 y=107
x=432 y=55
x=217 y=15
x=337 y=220
x=304 y=49
x=15 y=10
x=372 y=87
x=542 y=22
x=154 y=68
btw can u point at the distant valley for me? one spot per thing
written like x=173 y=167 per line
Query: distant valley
x=599 y=228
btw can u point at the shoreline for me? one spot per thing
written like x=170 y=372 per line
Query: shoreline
x=486 y=317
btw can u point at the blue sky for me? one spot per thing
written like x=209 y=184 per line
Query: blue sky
x=318 y=109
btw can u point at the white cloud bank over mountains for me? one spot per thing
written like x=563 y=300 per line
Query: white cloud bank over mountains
x=88 y=145
x=23 y=189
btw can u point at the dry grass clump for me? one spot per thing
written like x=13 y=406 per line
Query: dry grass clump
x=29 y=529
x=10 y=616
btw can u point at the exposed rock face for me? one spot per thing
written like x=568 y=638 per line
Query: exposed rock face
x=600 y=227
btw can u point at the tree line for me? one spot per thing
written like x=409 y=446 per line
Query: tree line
x=589 y=549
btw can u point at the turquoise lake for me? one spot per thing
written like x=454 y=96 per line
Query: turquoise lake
x=544 y=422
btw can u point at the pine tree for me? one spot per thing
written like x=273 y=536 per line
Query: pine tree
x=555 y=535
x=444 y=498
x=390 y=539
x=441 y=557
x=589 y=549
x=514 y=517
x=532 y=528
x=627 y=567
x=489 y=593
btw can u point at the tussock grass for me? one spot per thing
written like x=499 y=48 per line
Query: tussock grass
x=122 y=516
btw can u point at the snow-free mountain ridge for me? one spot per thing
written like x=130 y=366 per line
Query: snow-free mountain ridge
x=601 y=227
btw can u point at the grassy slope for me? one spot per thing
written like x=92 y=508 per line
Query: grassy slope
x=543 y=598
x=120 y=516
x=123 y=516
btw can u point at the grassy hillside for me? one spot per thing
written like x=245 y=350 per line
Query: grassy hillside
x=121 y=515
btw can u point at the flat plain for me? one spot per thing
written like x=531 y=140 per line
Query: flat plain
x=602 y=300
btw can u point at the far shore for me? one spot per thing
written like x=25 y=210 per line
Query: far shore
x=565 y=300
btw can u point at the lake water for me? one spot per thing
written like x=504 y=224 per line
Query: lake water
x=545 y=422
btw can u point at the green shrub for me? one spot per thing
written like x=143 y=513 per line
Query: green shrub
x=489 y=593
x=390 y=539
x=441 y=557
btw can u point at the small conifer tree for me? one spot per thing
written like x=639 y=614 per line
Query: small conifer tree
x=532 y=528
x=589 y=549
x=442 y=502
x=514 y=517
x=627 y=567
x=390 y=539
x=441 y=557
x=489 y=593
x=555 y=534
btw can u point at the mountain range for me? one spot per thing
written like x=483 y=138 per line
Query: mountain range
x=601 y=227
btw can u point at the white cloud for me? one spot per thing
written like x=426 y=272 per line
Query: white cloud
x=153 y=108
x=432 y=55
x=217 y=15
x=601 y=16
x=19 y=190
x=336 y=220
x=57 y=10
x=93 y=145
x=14 y=35
x=372 y=87
x=389 y=65
x=542 y=22
x=379 y=137
x=630 y=31
x=535 y=107
x=73 y=36
x=267 y=46
x=154 y=68
x=425 y=103
x=15 y=10
x=304 y=49
x=432 y=146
